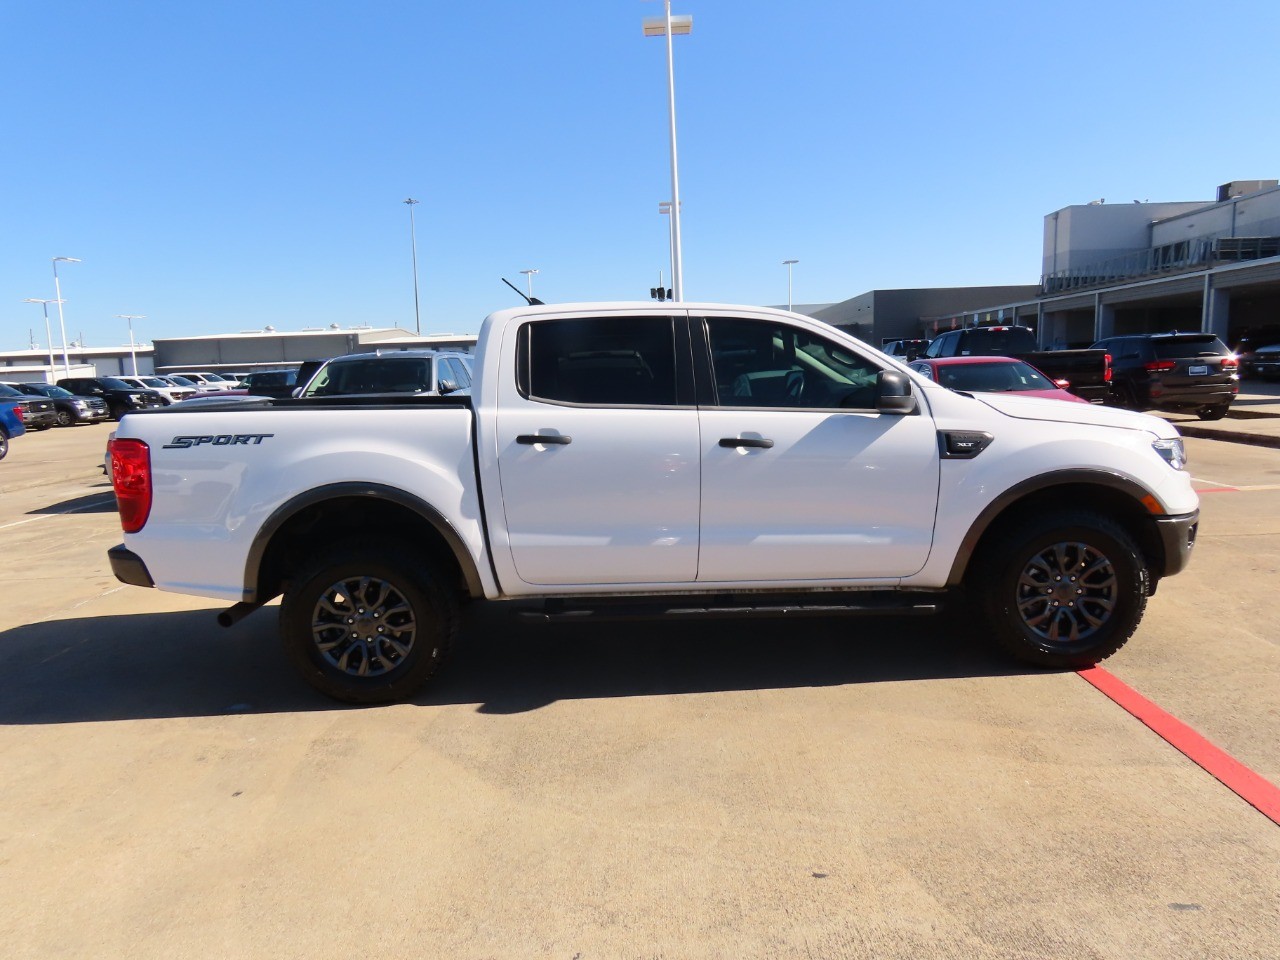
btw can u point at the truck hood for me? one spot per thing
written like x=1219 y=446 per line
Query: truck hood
x=1059 y=411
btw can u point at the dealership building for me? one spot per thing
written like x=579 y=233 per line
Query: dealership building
x=1114 y=268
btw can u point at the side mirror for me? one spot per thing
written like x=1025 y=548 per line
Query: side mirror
x=445 y=386
x=893 y=393
x=295 y=392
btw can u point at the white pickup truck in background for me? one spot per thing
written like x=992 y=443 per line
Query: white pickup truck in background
x=654 y=458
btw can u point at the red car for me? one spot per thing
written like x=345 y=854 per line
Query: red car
x=993 y=375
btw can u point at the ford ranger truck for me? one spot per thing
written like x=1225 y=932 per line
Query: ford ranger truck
x=644 y=459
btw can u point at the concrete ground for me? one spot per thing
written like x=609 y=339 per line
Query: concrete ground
x=830 y=788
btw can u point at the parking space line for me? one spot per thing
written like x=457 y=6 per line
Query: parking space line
x=1259 y=793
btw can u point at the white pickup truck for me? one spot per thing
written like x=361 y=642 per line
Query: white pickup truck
x=638 y=459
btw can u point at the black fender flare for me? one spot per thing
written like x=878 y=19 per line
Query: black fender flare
x=377 y=491
x=1057 y=478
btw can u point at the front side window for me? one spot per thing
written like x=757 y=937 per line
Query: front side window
x=609 y=361
x=760 y=363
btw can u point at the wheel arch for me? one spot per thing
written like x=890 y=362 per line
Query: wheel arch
x=335 y=511
x=1112 y=494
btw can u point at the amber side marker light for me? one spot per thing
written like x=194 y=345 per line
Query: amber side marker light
x=131 y=477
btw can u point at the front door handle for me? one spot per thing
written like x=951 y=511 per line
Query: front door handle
x=532 y=438
x=746 y=442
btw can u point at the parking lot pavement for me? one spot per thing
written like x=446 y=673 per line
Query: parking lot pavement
x=833 y=788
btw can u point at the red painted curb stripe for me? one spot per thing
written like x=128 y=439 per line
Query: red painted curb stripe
x=1249 y=786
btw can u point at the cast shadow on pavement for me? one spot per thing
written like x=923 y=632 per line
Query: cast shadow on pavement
x=102 y=502
x=182 y=664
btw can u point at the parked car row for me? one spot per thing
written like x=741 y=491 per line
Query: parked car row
x=1181 y=372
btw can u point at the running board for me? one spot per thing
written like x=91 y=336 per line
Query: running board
x=893 y=604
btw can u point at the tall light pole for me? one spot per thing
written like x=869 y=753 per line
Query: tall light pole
x=44 y=304
x=789 y=264
x=666 y=27
x=62 y=323
x=664 y=207
x=529 y=274
x=133 y=353
x=413 y=245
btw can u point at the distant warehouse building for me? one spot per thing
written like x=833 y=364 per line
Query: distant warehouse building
x=270 y=348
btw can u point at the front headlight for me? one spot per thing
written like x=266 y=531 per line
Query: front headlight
x=81 y=405
x=1173 y=452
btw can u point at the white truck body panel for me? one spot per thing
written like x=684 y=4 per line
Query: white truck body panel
x=642 y=500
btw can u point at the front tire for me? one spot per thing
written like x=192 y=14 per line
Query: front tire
x=1062 y=591
x=368 y=626
x=65 y=419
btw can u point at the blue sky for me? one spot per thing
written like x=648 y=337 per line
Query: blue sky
x=227 y=165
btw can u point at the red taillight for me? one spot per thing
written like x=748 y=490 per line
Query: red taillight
x=131 y=476
x=1230 y=363
x=1106 y=368
x=1159 y=366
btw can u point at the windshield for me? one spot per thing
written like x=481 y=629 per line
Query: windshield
x=7 y=391
x=992 y=377
x=47 y=390
x=182 y=381
x=214 y=377
x=153 y=382
x=374 y=375
x=112 y=383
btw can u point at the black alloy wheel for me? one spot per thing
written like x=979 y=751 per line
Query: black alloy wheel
x=366 y=625
x=1064 y=591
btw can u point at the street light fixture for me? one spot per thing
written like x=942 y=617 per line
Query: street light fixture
x=48 y=334
x=413 y=242
x=788 y=264
x=529 y=274
x=667 y=26
x=62 y=322
x=133 y=353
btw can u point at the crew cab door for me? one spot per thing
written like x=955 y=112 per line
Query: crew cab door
x=598 y=450
x=802 y=479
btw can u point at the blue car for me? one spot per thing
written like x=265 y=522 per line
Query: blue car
x=10 y=424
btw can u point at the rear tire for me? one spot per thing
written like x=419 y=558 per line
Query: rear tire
x=1216 y=412
x=1062 y=591
x=4 y=443
x=365 y=625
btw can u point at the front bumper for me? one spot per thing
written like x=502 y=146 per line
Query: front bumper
x=1178 y=535
x=128 y=567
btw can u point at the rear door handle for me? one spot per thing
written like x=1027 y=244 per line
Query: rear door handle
x=746 y=442
x=532 y=438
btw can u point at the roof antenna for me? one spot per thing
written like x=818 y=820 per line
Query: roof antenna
x=532 y=301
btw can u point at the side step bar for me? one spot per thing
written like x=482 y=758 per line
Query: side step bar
x=560 y=610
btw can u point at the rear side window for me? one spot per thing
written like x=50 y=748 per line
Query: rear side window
x=1177 y=348
x=611 y=361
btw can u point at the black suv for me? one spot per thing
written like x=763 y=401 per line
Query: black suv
x=119 y=397
x=70 y=408
x=1246 y=349
x=1184 y=372
x=270 y=383
x=37 y=412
